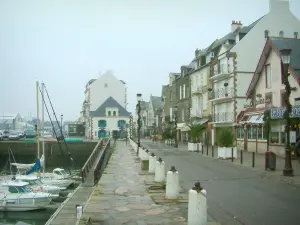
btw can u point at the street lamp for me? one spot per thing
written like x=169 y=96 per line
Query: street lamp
x=61 y=124
x=130 y=125
x=286 y=59
x=139 y=99
x=175 y=121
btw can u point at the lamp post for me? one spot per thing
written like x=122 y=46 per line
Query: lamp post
x=286 y=59
x=139 y=99
x=175 y=123
x=130 y=125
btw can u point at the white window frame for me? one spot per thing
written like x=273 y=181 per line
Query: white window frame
x=180 y=92
x=268 y=76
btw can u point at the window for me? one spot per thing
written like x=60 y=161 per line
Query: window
x=268 y=76
x=109 y=113
x=296 y=35
x=171 y=114
x=182 y=115
x=170 y=96
x=114 y=113
x=105 y=85
x=281 y=34
x=282 y=97
x=180 y=92
x=240 y=132
x=297 y=101
x=183 y=91
x=266 y=34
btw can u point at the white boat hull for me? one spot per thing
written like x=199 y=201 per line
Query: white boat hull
x=11 y=204
x=58 y=183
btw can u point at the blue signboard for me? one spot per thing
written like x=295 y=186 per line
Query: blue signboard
x=278 y=113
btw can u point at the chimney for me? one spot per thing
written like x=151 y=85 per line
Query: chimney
x=235 y=25
x=279 y=6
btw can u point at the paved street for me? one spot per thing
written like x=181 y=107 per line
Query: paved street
x=236 y=194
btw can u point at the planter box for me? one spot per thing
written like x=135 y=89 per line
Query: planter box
x=225 y=153
x=194 y=147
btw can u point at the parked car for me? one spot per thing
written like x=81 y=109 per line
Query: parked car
x=13 y=135
x=5 y=134
x=21 y=134
x=30 y=134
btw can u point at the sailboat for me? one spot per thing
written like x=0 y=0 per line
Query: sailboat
x=21 y=166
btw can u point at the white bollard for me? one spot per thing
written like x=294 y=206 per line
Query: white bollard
x=145 y=155
x=160 y=171
x=197 y=206
x=141 y=152
x=172 y=186
x=79 y=211
x=152 y=163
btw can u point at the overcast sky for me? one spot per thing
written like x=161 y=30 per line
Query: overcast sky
x=66 y=43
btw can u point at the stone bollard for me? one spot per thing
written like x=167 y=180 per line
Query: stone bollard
x=159 y=171
x=152 y=163
x=172 y=186
x=145 y=160
x=197 y=206
x=141 y=152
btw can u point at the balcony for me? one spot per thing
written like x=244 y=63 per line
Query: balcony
x=196 y=112
x=222 y=94
x=220 y=71
x=197 y=89
x=224 y=117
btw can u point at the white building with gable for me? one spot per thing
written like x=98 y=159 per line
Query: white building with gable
x=105 y=101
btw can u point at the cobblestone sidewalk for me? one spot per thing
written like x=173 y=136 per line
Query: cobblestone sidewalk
x=121 y=196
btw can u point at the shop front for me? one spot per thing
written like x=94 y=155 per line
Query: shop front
x=254 y=136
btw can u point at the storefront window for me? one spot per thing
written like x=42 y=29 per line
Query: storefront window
x=240 y=132
x=283 y=137
x=260 y=133
x=274 y=137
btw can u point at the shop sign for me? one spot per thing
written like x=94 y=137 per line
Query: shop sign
x=260 y=101
x=278 y=113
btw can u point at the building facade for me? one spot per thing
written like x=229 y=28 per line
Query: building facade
x=109 y=120
x=266 y=92
x=98 y=91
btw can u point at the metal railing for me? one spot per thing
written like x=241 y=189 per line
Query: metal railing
x=91 y=160
x=221 y=69
x=224 y=117
x=221 y=93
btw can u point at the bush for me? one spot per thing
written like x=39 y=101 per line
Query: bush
x=225 y=137
x=196 y=131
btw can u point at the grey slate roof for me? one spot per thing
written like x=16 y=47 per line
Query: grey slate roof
x=289 y=43
x=90 y=81
x=156 y=102
x=110 y=102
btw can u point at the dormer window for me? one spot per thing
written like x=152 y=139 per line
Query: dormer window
x=109 y=113
x=296 y=35
x=114 y=113
x=281 y=34
x=266 y=34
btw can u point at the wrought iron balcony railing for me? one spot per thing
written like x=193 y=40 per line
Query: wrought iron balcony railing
x=224 y=117
x=226 y=92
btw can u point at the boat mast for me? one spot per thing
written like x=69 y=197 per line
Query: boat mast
x=43 y=129
x=37 y=119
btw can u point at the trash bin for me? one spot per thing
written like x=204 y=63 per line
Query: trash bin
x=270 y=161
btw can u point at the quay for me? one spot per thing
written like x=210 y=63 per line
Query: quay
x=91 y=173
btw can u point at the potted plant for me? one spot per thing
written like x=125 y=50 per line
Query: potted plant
x=196 y=131
x=226 y=143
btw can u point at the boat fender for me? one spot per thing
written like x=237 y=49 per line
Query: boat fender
x=41 y=188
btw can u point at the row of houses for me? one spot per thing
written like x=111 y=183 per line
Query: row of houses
x=234 y=80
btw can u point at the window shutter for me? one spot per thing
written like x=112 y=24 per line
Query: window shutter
x=204 y=101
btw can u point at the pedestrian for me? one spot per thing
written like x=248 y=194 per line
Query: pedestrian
x=297 y=146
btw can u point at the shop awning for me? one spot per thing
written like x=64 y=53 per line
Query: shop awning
x=253 y=118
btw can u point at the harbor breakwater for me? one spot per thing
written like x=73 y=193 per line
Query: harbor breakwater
x=54 y=157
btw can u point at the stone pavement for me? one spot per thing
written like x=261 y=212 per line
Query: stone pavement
x=259 y=163
x=121 y=196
